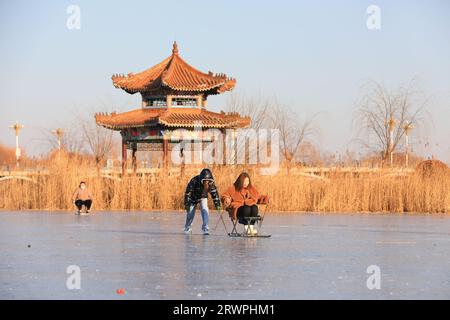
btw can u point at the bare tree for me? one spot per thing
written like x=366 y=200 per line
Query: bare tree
x=7 y=155
x=308 y=153
x=257 y=109
x=293 y=131
x=98 y=140
x=72 y=139
x=385 y=116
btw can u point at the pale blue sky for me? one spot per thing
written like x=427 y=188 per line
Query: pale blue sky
x=311 y=55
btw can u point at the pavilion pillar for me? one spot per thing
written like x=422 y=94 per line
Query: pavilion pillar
x=224 y=147
x=199 y=101
x=165 y=153
x=124 y=156
x=183 y=163
x=133 y=158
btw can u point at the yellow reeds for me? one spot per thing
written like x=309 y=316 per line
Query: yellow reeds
x=378 y=191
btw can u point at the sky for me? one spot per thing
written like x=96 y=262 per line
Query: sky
x=313 y=56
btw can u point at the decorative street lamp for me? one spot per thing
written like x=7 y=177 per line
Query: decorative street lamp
x=391 y=124
x=407 y=127
x=17 y=126
x=59 y=134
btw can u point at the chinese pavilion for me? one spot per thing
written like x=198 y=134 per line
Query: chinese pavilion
x=174 y=96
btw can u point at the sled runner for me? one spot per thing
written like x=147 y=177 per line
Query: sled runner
x=246 y=232
x=82 y=212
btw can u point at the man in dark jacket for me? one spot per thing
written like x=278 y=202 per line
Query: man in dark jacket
x=197 y=192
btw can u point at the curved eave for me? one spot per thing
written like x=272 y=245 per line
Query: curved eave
x=119 y=127
x=230 y=125
x=108 y=121
x=221 y=87
x=163 y=117
x=226 y=85
x=176 y=74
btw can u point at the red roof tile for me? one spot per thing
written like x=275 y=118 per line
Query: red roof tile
x=174 y=73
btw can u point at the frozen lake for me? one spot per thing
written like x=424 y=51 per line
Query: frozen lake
x=309 y=256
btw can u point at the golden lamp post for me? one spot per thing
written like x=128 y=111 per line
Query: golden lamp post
x=59 y=134
x=407 y=127
x=17 y=127
x=391 y=124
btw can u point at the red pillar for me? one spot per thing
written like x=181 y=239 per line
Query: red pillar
x=124 y=156
x=133 y=160
x=224 y=147
x=165 y=153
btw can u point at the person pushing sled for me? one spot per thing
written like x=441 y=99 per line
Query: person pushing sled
x=197 y=192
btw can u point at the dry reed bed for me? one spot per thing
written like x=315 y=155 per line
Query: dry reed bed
x=339 y=192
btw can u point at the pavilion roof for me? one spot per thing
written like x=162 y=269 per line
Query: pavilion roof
x=171 y=117
x=176 y=74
